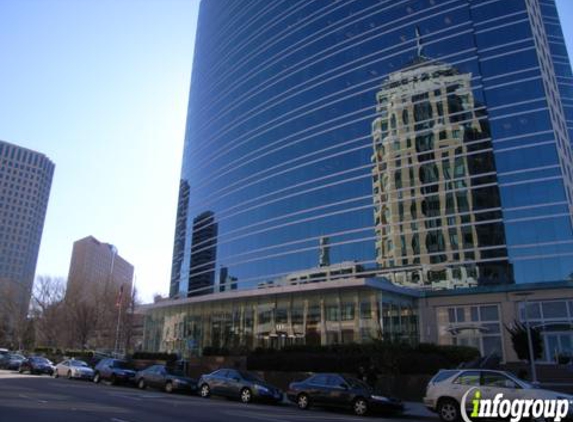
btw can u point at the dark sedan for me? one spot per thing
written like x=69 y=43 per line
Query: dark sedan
x=36 y=365
x=238 y=384
x=335 y=390
x=165 y=378
x=12 y=361
x=114 y=370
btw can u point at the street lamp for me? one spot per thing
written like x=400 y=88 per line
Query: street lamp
x=525 y=295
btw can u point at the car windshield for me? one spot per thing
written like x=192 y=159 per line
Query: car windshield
x=250 y=377
x=356 y=383
x=522 y=383
x=121 y=364
x=78 y=363
x=17 y=357
x=41 y=360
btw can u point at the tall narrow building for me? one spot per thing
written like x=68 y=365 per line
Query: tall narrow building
x=203 y=255
x=25 y=182
x=179 y=241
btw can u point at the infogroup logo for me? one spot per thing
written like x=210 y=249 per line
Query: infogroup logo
x=515 y=409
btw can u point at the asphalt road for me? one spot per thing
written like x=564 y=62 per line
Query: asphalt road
x=29 y=398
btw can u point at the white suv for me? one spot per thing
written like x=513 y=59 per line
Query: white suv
x=446 y=389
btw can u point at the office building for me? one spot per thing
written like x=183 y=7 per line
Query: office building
x=25 y=182
x=97 y=269
x=285 y=137
x=419 y=145
x=358 y=310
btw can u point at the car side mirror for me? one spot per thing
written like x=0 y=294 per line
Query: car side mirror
x=343 y=386
x=236 y=379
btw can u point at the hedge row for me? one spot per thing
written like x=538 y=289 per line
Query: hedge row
x=52 y=352
x=168 y=357
x=388 y=358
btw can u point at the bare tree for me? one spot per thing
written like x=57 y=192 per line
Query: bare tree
x=83 y=321
x=13 y=316
x=48 y=310
x=81 y=318
x=132 y=324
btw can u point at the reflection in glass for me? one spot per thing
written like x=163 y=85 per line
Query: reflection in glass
x=203 y=254
x=435 y=190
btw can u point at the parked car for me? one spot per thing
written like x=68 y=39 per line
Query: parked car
x=73 y=368
x=36 y=365
x=166 y=378
x=238 y=384
x=11 y=361
x=114 y=370
x=445 y=390
x=4 y=357
x=336 y=390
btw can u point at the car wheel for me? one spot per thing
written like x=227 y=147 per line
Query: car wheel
x=360 y=407
x=113 y=379
x=141 y=384
x=97 y=378
x=169 y=387
x=302 y=401
x=205 y=391
x=56 y=375
x=448 y=410
x=246 y=395
x=69 y=375
x=20 y=371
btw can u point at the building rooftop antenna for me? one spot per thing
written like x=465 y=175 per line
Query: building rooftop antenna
x=419 y=42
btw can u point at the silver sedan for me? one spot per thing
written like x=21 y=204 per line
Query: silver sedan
x=73 y=368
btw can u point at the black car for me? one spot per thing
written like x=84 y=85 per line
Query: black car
x=4 y=358
x=238 y=384
x=114 y=370
x=36 y=365
x=335 y=390
x=11 y=361
x=166 y=378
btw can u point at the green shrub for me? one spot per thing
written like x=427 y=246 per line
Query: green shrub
x=79 y=354
x=216 y=351
x=41 y=350
x=168 y=357
x=388 y=358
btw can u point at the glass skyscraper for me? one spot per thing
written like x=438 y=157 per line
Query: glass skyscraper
x=425 y=141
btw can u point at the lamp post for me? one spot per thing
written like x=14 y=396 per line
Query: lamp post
x=525 y=295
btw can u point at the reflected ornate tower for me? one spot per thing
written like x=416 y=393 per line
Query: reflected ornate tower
x=427 y=180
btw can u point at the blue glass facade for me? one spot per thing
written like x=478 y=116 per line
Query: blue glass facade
x=281 y=142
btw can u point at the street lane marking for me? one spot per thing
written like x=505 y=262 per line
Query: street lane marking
x=118 y=420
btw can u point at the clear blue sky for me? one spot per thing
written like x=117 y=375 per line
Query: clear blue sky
x=101 y=87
